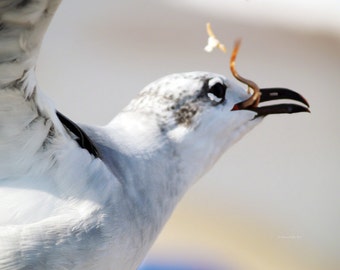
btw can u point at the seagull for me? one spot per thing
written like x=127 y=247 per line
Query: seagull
x=76 y=196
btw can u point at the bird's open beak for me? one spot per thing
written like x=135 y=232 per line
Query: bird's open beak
x=266 y=94
x=272 y=94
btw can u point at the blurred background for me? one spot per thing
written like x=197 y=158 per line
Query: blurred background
x=273 y=200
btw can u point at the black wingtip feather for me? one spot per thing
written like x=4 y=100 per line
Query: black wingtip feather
x=83 y=140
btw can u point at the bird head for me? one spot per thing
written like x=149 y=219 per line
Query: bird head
x=202 y=114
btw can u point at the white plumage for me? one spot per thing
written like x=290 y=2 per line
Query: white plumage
x=62 y=207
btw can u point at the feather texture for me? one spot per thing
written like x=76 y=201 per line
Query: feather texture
x=62 y=208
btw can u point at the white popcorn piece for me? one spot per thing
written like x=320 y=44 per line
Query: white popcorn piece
x=212 y=44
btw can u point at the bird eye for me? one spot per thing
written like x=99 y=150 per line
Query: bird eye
x=216 y=92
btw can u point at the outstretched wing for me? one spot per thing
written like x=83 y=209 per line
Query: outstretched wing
x=22 y=27
x=40 y=163
x=27 y=118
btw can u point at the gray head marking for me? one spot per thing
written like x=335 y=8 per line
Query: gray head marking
x=176 y=99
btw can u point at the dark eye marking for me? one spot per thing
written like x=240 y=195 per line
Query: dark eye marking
x=216 y=92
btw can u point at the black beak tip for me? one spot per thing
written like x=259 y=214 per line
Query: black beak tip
x=268 y=94
x=272 y=94
x=293 y=108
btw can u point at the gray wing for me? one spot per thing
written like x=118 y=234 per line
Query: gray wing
x=38 y=229
x=22 y=27
x=27 y=118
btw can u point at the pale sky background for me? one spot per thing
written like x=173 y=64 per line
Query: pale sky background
x=304 y=15
x=272 y=201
